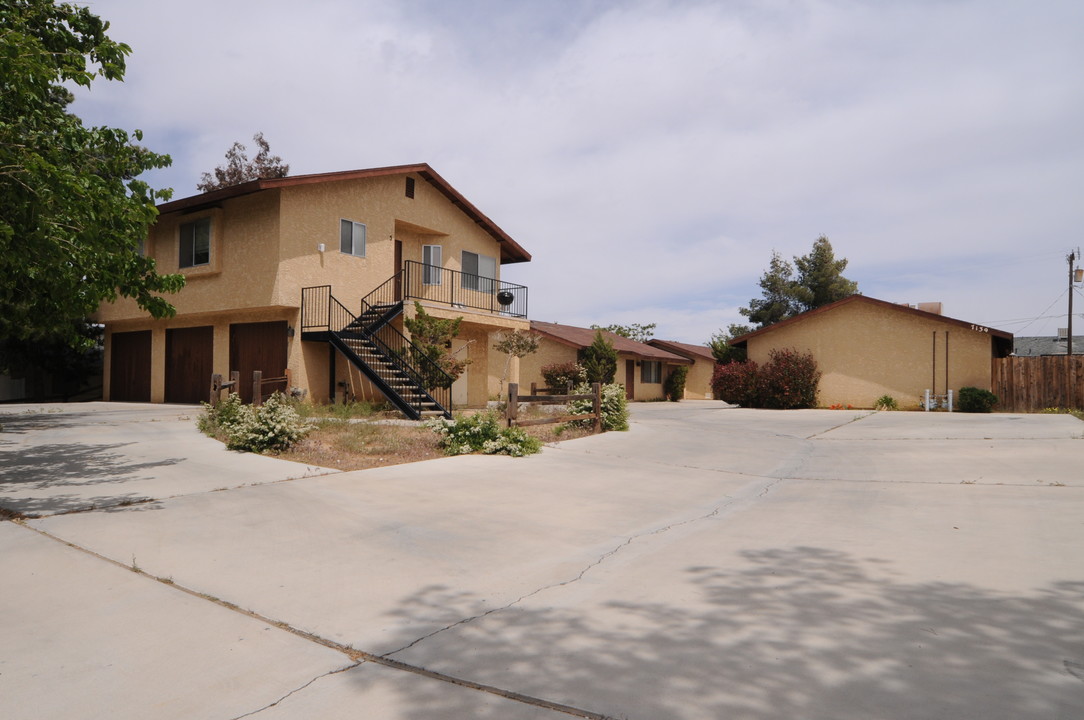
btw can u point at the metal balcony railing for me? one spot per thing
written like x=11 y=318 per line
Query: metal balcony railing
x=462 y=290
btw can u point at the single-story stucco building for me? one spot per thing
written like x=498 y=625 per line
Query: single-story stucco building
x=867 y=348
x=641 y=368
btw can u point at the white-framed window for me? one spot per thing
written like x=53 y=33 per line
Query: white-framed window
x=479 y=272
x=195 y=243
x=352 y=238
x=651 y=372
x=431 y=262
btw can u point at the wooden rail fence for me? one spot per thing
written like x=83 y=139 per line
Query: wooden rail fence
x=258 y=382
x=511 y=413
x=1031 y=384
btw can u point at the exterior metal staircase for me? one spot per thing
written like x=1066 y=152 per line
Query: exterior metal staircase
x=412 y=382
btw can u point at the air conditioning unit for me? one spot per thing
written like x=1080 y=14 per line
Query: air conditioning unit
x=1063 y=333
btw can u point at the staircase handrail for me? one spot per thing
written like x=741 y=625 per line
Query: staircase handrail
x=431 y=369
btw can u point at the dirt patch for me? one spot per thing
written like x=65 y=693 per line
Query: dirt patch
x=359 y=446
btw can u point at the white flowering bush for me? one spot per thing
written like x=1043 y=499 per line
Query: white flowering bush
x=615 y=406
x=482 y=432
x=275 y=425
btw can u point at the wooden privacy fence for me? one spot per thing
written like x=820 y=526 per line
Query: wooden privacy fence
x=1030 y=384
x=511 y=413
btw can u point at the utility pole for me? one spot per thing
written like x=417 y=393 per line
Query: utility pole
x=1072 y=274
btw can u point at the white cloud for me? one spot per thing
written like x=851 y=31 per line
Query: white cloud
x=652 y=154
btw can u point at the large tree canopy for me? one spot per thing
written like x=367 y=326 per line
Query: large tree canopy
x=819 y=281
x=239 y=168
x=72 y=215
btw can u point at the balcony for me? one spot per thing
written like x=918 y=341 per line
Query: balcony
x=418 y=281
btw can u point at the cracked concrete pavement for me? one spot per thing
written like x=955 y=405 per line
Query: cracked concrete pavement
x=711 y=562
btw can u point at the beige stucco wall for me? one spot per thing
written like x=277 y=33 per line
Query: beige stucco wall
x=865 y=351
x=698 y=381
x=265 y=250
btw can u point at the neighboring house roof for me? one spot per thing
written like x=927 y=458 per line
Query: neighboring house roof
x=692 y=352
x=1031 y=346
x=1004 y=338
x=511 y=251
x=579 y=338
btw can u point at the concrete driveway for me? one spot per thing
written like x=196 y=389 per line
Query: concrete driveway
x=710 y=563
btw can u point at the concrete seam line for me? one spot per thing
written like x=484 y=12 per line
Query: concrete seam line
x=358 y=656
x=842 y=424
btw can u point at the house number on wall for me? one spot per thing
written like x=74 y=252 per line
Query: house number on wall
x=980 y=328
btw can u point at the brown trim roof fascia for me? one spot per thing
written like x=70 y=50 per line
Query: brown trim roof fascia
x=686 y=350
x=579 y=338
x=743 y=339
x=511 y=251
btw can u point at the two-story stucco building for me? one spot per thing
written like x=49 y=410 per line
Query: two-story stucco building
x=314 y=274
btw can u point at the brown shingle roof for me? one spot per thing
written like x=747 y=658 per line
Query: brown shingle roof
x=579 y=338
x=511 y=251
x=693 y=352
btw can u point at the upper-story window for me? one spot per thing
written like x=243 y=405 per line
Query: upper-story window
x=479 y=272
x=352 y=238
x=195 y=243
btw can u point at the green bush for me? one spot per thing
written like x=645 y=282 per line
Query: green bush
x=482 y=433
x=675 y=383
x=614 y=410
x=275 y=425
x=975 y=400
x=560 y=376
x=886 y=402
x=599 y=359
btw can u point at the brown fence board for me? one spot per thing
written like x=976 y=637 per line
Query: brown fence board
x=1031 y=384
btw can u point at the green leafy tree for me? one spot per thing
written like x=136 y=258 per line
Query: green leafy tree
x=785 y=293
x=820 y=277
x=518 y=344
x=720 y=345
x=239 y=168
x=432 y=342
x=72 y=214
x=600 y=360
x=636 y=331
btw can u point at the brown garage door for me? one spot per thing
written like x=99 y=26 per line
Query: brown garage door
x=258 y=346
x=189 y=363
x=130 y=367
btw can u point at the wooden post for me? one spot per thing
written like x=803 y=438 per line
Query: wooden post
x=597 y=407
x=534 y=388
x=512 y=411
x=216 y=389
x=257 y=388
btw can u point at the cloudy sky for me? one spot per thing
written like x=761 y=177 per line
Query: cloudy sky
x=652 y=154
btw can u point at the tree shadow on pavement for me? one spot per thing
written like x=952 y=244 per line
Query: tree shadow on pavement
x=33 y=477
x=784 y=633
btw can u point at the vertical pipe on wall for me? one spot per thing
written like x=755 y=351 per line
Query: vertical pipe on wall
x=947 y=391
x=933 y=363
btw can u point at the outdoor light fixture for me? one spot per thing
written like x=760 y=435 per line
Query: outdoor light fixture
x=505 y=297
x=289 y=331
